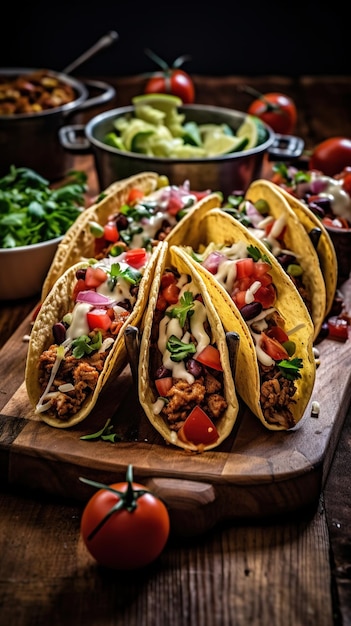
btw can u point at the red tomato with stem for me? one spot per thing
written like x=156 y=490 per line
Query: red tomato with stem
x=331 y=156
x=124 y=526
x=275 y=109
x=171 y=80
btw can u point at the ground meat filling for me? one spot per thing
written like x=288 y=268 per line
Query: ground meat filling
x=82 y=373
x=276 y=396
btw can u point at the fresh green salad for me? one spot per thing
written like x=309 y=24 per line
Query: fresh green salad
x=32 y=212
x=158 y=129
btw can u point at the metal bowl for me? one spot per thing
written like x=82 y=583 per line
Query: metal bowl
x=234 y=171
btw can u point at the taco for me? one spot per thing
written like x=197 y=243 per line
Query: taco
x=186 y=384
x=77 y=342
x=322 y=242
x=255 y=298
x=135 y=212
x=268 y=216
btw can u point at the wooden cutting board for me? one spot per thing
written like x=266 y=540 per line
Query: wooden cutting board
x=254 y=474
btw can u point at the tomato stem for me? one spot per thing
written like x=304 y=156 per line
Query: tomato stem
x=127 y=500
x=257 y=94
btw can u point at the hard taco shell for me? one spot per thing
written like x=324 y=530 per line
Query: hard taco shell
x=299 y=242
x=56 y=305
x=147 y=396
x=219 y=227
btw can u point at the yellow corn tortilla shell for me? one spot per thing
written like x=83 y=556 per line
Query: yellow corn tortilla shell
x=146 y=395
x=325 y=248
x=299 y=242
x=56 y=305
x=220 y=228
x=78 y=243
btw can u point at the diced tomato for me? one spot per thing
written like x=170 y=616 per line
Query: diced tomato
x=336 y=222
x=79 y=286
x=337 y=329
x=244 y=267
x=98 y=318
x=269 y=227
x=244 y=283
x=266 y=295
x=167 y=279
x=171 y=293
x=111 y=232
x=200 y=194
x=273 y=348
x=100 y=244
x=261 y=268
x=136 y=257
x=239 y=298
x=134 y=195
x=163 y=385
x=94 y=277
x=174 y=205
x=161 y=304
x=198 y=428
x=210 y=357
x=265 y=279
x=278 y=333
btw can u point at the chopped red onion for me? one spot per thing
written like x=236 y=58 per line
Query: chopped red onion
x=93 y=297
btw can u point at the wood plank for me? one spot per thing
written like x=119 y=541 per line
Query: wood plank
x=255 y=473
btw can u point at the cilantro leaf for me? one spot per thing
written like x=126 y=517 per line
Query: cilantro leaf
x=86 y=345
x=131 y=276
x=254 y=252
x=290 y=369
x=183 y=309
x=178 y=349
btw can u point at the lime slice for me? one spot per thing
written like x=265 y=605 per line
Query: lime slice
x=186 y=151
x=134 y=128
x=162 y=101
x=206 y=130
x=253 y=129
x=218 y=144
x=111 y=139
x=150 y=114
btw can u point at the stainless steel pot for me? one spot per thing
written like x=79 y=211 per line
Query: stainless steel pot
x=31 y=140
x=224 y=173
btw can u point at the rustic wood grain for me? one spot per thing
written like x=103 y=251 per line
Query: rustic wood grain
x=293 y=571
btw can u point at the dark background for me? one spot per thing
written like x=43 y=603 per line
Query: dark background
x=237 y=38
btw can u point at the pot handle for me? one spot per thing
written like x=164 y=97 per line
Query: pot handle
x=73 y=139
x=108 y=93
x=285 y=148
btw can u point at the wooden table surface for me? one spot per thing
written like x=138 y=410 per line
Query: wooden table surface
x=294 y=571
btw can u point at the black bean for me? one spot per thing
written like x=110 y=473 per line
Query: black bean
x=81 y=273
x=249 y=311
x=59 y=332
x=194 y=367
x=121 y=221
x=162 y=372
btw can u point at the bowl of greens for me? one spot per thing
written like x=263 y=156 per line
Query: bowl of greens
x=34 y=216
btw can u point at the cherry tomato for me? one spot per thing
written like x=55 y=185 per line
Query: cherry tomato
x=210 y=357
x=98 y=318
x=198 y=428
x=171 y=79
x=277 y=110
x=134 y=195
x=331 y=156
x=273 y=348
x=124 y=526
x=111 y=232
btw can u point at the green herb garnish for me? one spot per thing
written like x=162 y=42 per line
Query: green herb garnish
x=86 y=345
x=32 y=212
x=131 y=276
x=183 y=309
x=105 y=434
x=178 y=349
x=290 y=369
x=257 y=255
